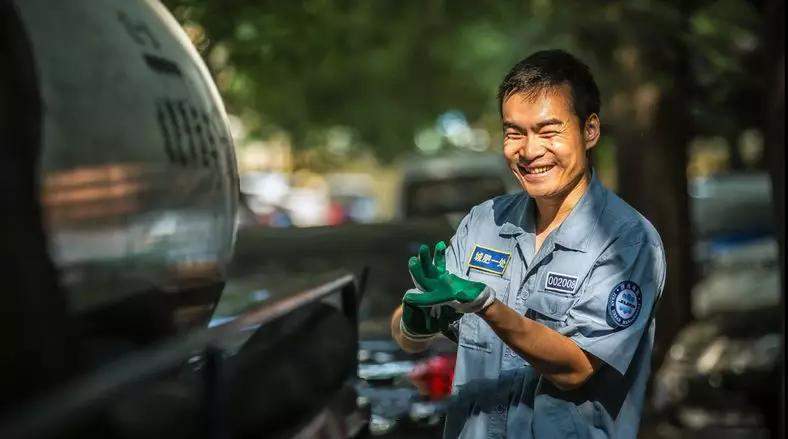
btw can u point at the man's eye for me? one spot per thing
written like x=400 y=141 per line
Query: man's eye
x=548 y=133
x=513 y=135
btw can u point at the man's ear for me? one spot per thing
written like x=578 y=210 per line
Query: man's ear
x=591 y=131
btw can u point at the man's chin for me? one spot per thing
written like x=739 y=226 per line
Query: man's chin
x=538 y=190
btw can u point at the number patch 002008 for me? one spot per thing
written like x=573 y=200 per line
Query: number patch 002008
x=560 y=283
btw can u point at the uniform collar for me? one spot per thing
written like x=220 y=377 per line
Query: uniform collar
x=511 y=225
x=578 y=227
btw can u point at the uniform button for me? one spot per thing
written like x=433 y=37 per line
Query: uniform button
x=499 y=409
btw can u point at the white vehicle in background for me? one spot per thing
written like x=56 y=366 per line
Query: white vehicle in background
x=263 y=199
x=353 y=194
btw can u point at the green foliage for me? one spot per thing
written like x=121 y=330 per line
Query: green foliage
x=383 y=70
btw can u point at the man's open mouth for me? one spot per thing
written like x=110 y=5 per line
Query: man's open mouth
x=534 y=170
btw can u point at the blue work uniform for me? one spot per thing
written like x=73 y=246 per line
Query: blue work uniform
x=596 y=279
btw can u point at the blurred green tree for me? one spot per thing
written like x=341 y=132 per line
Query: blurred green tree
x=385 y=69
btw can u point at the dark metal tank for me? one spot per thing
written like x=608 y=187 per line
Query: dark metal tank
x=119 y=184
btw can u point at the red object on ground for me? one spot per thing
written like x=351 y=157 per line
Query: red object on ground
x=337 y=214
x=433 y=376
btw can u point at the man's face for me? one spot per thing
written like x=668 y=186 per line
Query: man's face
x=543 y=142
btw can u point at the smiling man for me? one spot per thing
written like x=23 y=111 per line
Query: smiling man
x=550 y=292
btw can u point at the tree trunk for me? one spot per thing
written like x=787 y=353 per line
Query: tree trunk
x=652 y=178
x=735 y=161
x=654 y=130
x=774 y=141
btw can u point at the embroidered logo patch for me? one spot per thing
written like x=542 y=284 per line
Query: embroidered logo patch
x=560 y=283
x=489 y=260
x=623 y=304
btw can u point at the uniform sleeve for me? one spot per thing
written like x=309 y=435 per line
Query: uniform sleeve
x=455 y=260
x=615 y=306
x=457 y=249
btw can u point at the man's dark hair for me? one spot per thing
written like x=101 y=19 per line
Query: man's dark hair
x=549 y=69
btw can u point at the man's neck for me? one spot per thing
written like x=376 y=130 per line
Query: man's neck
x=551 y=212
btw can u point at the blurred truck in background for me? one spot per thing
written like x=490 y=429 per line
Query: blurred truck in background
x=452 y=184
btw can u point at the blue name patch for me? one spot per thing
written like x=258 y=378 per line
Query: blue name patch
x=560 y=283
x=489 y=260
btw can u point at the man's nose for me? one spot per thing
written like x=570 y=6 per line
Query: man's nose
x=531 y=148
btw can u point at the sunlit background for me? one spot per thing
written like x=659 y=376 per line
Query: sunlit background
x=351 y=119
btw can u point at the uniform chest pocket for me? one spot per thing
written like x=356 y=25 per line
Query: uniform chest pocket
x=474 y=333
x=499 y=284
x=549 y=308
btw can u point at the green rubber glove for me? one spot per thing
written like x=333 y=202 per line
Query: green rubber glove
x=419 y=323
x=424 y=323
x=441 y=288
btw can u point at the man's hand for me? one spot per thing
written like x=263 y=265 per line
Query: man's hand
x=422 y=324
x=439 y=288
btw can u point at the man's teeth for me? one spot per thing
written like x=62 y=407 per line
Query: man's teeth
x=539 y=170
